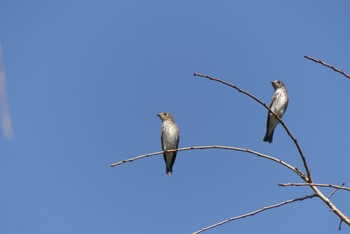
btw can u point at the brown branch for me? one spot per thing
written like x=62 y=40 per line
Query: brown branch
x=255 y=212
x=308 y=178
x=341 y=187
x=327 y=65
x=294 y=169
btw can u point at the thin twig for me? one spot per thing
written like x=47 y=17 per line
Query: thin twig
x=328 y=65
x=308 y=179
x=341 y=187
x=335 y=190
x=332 y=193
x=255 y=212
x=216 y=147
x=339 y=228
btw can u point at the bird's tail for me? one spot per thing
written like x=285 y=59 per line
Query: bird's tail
x=169 y=159
x=169 y=171
x=268 y=137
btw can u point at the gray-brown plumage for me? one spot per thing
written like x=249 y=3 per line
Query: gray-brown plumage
x=279 y=106
x=170 y=136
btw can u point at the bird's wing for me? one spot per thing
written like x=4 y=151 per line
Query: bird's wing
x=177 y=141
x=162 y=138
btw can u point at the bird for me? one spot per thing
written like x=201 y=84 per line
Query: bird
x=170 y=137
x=278 y=105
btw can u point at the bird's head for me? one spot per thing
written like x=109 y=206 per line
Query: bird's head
x=165 y=116
x=277 y=84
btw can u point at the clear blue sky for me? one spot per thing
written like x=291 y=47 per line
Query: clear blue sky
x=85 y=80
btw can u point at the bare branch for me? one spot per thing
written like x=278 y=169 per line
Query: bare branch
x=308 y=178
x=341 y=187
x=335 y=190
x=139 y=157
x=255 y=212
x=294 y=169
x=328 y=65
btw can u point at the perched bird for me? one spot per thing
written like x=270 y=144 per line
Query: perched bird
x=278 y=105
x=170 y=136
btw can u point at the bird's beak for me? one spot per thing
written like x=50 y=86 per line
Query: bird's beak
x=158 y=115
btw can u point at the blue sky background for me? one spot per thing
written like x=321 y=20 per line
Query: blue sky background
x=85 y=80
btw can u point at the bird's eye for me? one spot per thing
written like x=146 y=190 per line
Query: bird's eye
x=165 y=113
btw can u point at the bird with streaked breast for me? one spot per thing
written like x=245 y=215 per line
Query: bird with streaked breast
x=279 y=104
x=170 y=137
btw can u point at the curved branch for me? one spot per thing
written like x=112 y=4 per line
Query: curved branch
x=327 y=65
x=256 y=212
x=308 y=179
x=317 y=185
x=294 y=169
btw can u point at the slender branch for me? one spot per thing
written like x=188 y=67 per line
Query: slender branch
x=290 y=167
x=327 y=65
x=335 y=190
x=341 y=187
x=255 y=212
x=308 y=179
x=140 y=157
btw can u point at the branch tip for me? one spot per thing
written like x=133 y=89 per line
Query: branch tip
x=327 y=65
